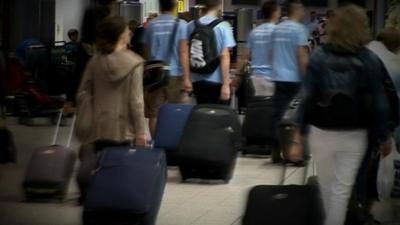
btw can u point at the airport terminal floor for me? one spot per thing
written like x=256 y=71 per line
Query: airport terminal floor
x=183 y=203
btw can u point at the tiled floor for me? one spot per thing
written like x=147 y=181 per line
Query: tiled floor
x=183 y=204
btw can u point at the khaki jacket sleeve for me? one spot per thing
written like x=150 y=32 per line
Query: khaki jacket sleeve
x=84 y=85
x=136 y=100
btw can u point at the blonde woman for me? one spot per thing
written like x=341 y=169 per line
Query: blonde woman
x=344 y=104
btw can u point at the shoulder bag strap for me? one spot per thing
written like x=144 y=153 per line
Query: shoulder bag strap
x=172 y=40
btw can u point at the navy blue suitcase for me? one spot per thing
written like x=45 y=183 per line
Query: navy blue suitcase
x=127 y=188
x=171 y=122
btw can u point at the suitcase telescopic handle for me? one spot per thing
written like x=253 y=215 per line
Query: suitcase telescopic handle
x=57 y=131
x=309 y=162
x=234 y=101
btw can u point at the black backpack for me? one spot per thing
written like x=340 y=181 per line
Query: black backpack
x=204 y=55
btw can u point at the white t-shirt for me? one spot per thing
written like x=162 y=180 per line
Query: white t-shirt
x=391 y=61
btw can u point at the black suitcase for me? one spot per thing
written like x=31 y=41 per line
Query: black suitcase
x=8 y=151
x=50 y=169
x=259 y=127
x=127 y=188
x=284 y=204
x=208 y=148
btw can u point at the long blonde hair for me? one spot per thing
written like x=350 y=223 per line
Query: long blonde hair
x=349 y=28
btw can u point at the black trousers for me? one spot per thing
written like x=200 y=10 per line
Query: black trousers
x=284 y=94
x=208 y=93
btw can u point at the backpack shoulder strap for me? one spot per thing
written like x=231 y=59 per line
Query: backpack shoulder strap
x=215 y=23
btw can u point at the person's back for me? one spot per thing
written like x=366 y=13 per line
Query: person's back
x=214 y=88
x=114 y=76
x=258 y=52
x=343 y=80
x=345 y=109
x=287 y=38
x=260 y=45
x=157 y=37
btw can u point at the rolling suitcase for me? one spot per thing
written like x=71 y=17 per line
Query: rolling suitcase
x=259 y=127
x=127 y=187
x=208 y=149
x=171 y=121
x=50 y=169
x=284 y=204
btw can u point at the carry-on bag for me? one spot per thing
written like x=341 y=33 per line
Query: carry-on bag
x=50 y=169
x=127 y=188
x=208 y=149
x=284 y=204
x=171 y=121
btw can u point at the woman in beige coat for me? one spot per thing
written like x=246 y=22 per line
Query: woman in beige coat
x=110 y=97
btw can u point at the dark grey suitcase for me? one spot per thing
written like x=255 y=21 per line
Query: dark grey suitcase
x=284 y=204
x=50 y=169
x=259 y=127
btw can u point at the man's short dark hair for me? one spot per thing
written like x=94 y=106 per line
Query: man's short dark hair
x=72 y=32
x=269 y=8
x=210 y=4
x=167 y=5
x=292 y=5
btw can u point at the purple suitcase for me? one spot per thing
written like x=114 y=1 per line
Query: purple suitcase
x=50 y=169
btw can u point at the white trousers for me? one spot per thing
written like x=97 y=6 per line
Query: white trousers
x=338 y=156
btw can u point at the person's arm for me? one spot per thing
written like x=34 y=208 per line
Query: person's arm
x=301 y=37
x=242 y=62
x=226 y=77
x=379 y=104
x=228 y=43
x=308 y=90
x=393 y=98
x=302 y=59
x=184 y=59
x=146 y=44
x=136 y=105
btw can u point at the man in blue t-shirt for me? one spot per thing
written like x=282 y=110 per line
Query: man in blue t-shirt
x=290 y=58
x=258 y=51
x=289 y=52
x=214 y=88
x=157 y=40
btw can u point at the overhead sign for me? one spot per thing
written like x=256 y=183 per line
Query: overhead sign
x=181 y=6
